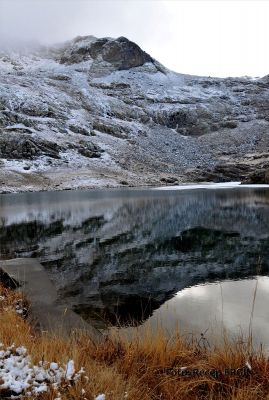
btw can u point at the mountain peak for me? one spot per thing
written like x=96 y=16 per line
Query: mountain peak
x=121 y=53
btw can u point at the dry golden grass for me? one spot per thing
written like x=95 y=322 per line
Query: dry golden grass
x=136 y=366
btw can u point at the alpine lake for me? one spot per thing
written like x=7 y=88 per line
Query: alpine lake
x=193 y=258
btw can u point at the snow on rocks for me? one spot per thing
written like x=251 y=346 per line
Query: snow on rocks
x=19 y=305
x=58 y=105
x=19 y=377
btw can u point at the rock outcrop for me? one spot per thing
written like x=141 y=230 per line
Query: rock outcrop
x=121 y=53
x=259 y=176
x=13 y=147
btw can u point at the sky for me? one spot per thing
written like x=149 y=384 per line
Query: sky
x=209 y=38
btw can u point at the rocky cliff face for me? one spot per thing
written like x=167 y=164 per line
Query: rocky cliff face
x=103 y=112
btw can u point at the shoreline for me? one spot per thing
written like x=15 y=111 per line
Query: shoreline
x=175 y=187
x=31 y=279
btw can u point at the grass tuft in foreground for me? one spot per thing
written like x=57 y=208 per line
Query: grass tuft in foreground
x=149 y=367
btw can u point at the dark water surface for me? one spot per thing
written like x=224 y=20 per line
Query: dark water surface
x=191 y=257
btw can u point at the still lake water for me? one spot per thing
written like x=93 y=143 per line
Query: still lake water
x=187 y=258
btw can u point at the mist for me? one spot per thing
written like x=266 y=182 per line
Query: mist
x=51 y=21
x=223 y=38
x=40 y=21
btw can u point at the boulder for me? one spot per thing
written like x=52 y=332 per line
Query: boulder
x=90 y=150
x=169 y=180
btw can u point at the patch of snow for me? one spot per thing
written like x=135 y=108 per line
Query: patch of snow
x=19 y=126
x=54 y=366
x=101 y=397
x=201 y=186
x=19 y=376
x=16 y=165
x=248 y=365
x=222 y=185
x=70 y=370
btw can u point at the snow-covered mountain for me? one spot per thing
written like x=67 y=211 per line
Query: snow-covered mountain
x=102 y=112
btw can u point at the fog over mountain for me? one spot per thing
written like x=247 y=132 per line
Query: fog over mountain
x=223 y=38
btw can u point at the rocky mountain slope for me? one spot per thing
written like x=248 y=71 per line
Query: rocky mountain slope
x=102 y=112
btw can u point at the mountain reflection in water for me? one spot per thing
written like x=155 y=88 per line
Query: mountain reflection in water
x=118 y=255
x=214 y=309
